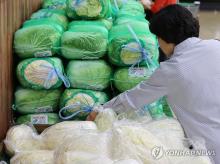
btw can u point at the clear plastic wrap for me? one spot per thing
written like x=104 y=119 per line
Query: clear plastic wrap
x=89 y=74
x=77 y=157
x=105 y=119
x=168 y=131
x=22 y=138
x=33 y=157
x=55 y=135
x=131 y=140
x=127 y=161
x=94 y=143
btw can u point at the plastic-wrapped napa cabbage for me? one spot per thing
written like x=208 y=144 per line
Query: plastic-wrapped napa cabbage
x=88 y=9
x=38 y=38
x=54 y=4
x=59 y=16
x=33 y=157
x=131 y=9
x=107 y=23
x=40 y=73
x=125 y=78
x=85 y=40
x=89 y=74
x=44 y=118
x=55 y=135
x=132 y=43
x=22 y=138
x=86 y=98
x=29 y=101
x=124 y=20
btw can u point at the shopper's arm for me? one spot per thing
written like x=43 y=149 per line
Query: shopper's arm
x=144 y=93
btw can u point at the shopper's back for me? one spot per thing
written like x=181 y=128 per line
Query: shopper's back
x=197 y=66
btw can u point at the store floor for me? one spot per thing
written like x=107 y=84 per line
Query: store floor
x=209 y=24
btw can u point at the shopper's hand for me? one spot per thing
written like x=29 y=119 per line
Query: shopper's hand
x=92 y=116
x=147 y=4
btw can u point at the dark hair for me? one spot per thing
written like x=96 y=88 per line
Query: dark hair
x=174 y=24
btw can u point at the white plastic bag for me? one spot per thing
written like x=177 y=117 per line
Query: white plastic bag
x=131 y=140
x=95 y=143
x=105 y=119
x=58 y=133
x=168 y=131
x=77 y=157
x=22 y=138
x=33 y=157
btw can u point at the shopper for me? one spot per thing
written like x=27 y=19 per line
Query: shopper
x=190 y=78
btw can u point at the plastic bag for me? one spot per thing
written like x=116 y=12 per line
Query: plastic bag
x=22 y=138
x=38 y=38
x=85 y=40
x=155 y=109
x=29 y=101
x=166 y=108
x=127 y=161
x=132 y=44
x=131 y=140
x=82 y=158
x=105 y=119
x=85 y=98
x=168 y=131
x=33 y=157
x=88 y=9
x=57 y=15
x=95 y=143
x=131 y=9
x=90 y=74
x=55 y=4
x=125 y=78
x=107 y=23
x=41 y=73
x=55 y=135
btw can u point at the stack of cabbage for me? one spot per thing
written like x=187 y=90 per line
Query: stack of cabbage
x=119 y=142
x=84 y=45
x=85 y=40
x=133 y=48
x=40 y=73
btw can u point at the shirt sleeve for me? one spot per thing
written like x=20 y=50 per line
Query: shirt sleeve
x=144 y=93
